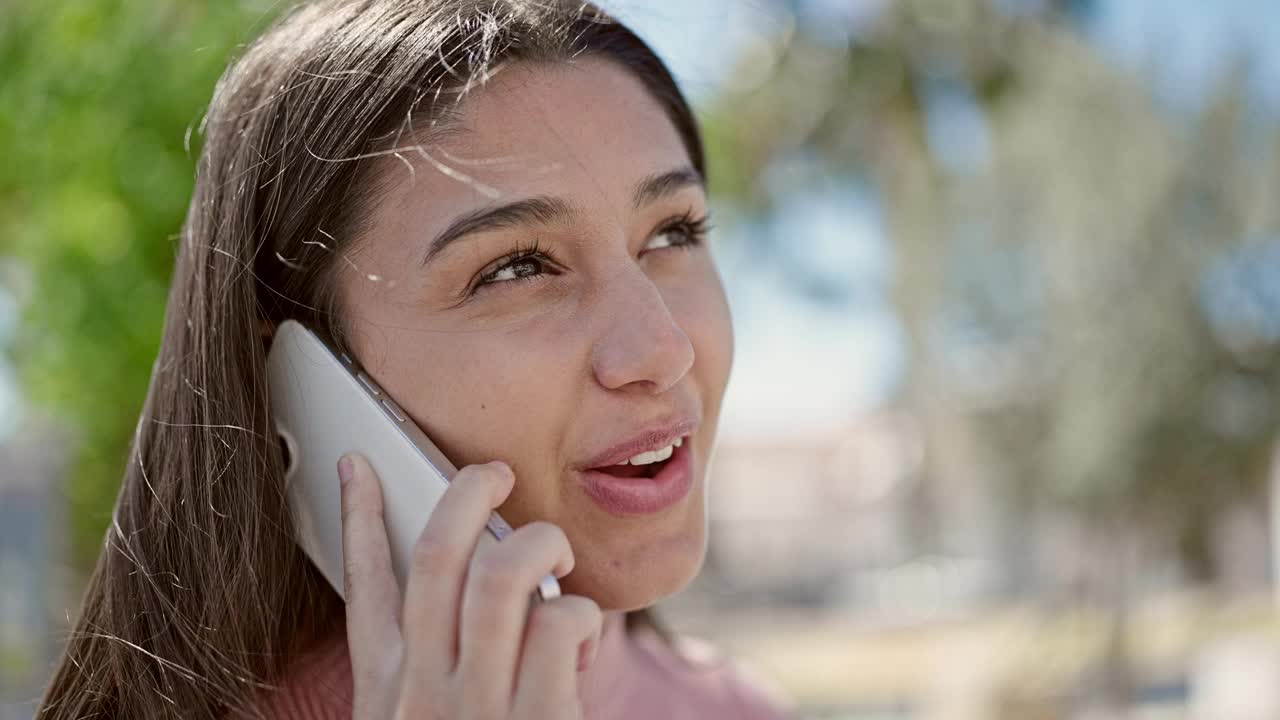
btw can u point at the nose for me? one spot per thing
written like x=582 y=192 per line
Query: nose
x=642 y=346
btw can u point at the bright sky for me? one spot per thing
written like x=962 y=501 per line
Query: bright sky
x=799 y=366
x=1207 y=34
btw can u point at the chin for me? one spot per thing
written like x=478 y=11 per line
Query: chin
x=643 y=579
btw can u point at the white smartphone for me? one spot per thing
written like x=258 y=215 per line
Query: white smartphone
x=324 y=405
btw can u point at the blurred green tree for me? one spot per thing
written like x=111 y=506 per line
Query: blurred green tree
x=1070 y=263
x=99 y=109
x=1053 y=292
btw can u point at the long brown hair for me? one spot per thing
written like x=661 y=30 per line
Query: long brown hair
x=200 y=596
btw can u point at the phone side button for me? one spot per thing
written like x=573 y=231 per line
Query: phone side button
x=369 y=384
x=395 y=411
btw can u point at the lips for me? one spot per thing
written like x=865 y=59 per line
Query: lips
x=658 y=435
x=626 y=496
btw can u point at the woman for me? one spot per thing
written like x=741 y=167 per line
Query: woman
x=498 y=206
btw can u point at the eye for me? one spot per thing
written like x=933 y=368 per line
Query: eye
x=524 y=264
x=686 y=232
x=517 y=269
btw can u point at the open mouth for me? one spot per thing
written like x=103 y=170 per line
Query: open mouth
x=647 y=483
x=644 y=469
x=634 y=471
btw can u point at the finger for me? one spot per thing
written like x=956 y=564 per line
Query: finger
x=496 y=601
x=438 y=566
x=548 y=679
x=372 y=595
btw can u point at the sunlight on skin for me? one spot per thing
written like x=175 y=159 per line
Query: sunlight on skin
x=623 y=330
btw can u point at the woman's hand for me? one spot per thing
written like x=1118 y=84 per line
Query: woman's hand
x=463 y=643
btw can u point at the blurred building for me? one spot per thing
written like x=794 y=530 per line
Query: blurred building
x=830 y=519
x=847 y=520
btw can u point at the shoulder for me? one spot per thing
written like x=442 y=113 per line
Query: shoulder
x=725 y=686
x=316 y=686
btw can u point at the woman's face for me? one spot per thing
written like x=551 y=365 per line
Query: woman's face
x=611 y=329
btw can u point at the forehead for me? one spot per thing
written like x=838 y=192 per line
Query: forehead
x=587 y=129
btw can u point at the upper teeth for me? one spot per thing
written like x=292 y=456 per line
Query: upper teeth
x=654 y=456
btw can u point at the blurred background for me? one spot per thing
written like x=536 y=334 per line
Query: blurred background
x=1001 y=440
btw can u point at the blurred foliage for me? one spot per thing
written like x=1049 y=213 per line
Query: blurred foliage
x=98 y=105
x=1071 y=255
x=1086 y=278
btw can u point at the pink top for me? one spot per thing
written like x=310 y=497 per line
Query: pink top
x=635 y=675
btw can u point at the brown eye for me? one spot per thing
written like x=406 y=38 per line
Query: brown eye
x=517 y=269
x=683 y=232
x=524 y=264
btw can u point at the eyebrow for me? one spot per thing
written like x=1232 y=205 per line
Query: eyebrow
x=545 y=209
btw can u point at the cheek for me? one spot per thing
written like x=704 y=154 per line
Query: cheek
x=486 y=396
x=703 y=312
x=477 y=394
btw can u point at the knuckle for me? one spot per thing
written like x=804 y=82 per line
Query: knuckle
x=592 y=611
x=351 y=506
x=552 y=532
x=548 y=534
x=485 y=474
x=580 y=615
x=357 y=573
x=360 y=570
x=357 y=503
x=494 y=574
x=432 y=553
x=586 y=613
x=551 y=618
x=490 y=480
x=350 y=578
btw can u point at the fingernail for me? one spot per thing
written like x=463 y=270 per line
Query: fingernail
x=345 y=469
